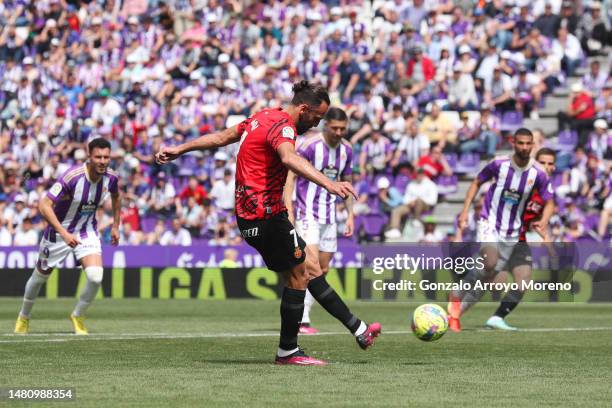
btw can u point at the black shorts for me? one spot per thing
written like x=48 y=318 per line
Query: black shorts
x=276 y=240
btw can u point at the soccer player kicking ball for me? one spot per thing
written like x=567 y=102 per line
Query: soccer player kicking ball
x=315 y=210
x=266 y=152
x=70 y=209
x=501 y=220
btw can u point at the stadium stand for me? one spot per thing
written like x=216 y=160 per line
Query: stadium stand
x=146 y=73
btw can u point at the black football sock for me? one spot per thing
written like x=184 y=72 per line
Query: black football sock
x=291 y=310
x=508 y=303
x=329 y=299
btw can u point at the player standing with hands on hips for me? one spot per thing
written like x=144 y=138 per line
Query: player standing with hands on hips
x=266 y=152
x=70 y=209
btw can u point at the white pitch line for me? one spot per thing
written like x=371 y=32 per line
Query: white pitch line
x=66 y=337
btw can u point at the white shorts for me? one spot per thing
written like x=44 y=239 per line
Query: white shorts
x=314 y=233
x=488 y=236
x=52 y=253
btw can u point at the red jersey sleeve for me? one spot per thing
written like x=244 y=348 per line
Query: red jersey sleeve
x=281 y=133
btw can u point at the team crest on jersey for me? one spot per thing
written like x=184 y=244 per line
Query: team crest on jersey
x=254 y=124
x=297 y=253
x=288 y=132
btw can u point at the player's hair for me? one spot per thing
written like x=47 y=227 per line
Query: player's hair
x=310 y=94
x=523 y=132
x=335 y=113
x=545 y=151
x=98 y=143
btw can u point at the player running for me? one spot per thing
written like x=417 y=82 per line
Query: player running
x=266 y=152
x=70 y=209
x=500 y=224
x=315 y=214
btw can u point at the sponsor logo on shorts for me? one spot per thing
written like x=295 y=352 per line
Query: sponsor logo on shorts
x=253 y=232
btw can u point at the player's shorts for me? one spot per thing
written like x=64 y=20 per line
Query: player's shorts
x=276 y=240
x=511 y=254
x=52 y=253
x=325 y=236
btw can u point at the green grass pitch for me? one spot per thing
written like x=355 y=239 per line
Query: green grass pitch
x=145 y=353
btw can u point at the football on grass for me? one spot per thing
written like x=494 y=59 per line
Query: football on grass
x=429 y=322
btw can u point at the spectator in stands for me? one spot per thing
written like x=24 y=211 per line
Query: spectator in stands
x=130 y=237
x=162 y=197
x=528 y=89
x=26 y=235
x=348 y=79
x=600 y=141
x=461 y=91
x=230 y=258
x=548 y=22
x=376 y=153
x=395 y=124
x=434 y=164
x=420 y=70
x=389 y=197
x=498 y=92
x=222 y=192
x=192 y=215
x=438 y=128
x=421 y=195
x=595 y=80
x=411 y=147
x=567 y=48
x=6 y=237
x=580 y=113
x=488 y=131
x=193 y=189
x=430 y=233
x=177 y=235
x=595 y=29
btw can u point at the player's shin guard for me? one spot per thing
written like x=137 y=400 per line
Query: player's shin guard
x=291 y=310
x=509 y=303
x=31 y=292
x=94 y=281
x=329 y=299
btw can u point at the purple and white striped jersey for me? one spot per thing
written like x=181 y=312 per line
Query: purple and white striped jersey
x=76 y=200
x=506 y=199
x=313 y=201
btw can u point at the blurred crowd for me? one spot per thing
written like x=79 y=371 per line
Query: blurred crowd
x=431 y=87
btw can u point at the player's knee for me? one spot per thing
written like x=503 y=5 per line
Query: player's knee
x=42 y=274
x=94 y=273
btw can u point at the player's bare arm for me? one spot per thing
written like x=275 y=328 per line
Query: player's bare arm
x=350 y=221
x=116 y=202
x=302 y=167
x=288 y=195
x=541 y=226
x=469 y=198
x=212 y=141
x=46 y=209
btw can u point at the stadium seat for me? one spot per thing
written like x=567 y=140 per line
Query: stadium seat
x=401 y=182
x=451 y=159
x=447 y=184
x=511 y=121
x=567 y=141
x=374 y=224
x=468 y=163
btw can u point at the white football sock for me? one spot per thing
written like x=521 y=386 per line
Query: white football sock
x=362 y=328
x=308 y=302
x=32 y=289
x=284 y=353
x=87 y=296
